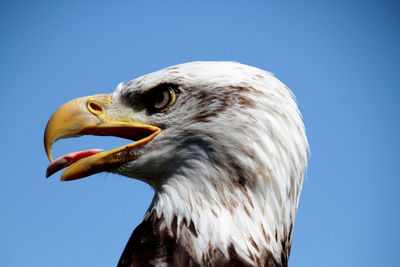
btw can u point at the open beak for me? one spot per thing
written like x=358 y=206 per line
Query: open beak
x=88 y=116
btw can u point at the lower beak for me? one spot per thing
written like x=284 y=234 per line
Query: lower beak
x=88 y=116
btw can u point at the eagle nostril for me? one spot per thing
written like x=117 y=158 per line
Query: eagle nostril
x=94 y=107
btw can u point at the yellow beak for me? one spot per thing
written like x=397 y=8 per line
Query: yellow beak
x=88 y=116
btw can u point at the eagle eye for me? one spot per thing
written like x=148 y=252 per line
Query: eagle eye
x=160 y=97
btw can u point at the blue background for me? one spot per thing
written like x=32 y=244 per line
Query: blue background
x=341 y=59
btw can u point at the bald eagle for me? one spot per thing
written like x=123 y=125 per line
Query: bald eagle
x=223 y=146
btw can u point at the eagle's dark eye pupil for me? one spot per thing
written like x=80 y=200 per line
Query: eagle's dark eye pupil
x=162 y=99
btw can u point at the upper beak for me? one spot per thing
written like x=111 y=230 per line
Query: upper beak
x=89 y=116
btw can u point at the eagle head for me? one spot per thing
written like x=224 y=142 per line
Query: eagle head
x=222 y=144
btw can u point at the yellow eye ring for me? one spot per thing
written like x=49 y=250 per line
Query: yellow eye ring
x=173 y=97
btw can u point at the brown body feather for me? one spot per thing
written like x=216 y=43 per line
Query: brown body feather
x=150 y=246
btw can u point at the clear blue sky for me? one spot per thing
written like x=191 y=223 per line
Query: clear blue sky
x=341 y=59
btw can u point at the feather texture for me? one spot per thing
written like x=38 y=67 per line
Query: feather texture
x=227 y=168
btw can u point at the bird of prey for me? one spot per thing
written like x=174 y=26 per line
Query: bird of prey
x=223 y=146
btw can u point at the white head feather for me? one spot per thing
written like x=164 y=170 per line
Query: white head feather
x=229 y=162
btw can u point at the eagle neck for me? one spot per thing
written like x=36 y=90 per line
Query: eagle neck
x=220 y=215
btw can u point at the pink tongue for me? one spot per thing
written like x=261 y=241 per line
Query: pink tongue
x=66 y=160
